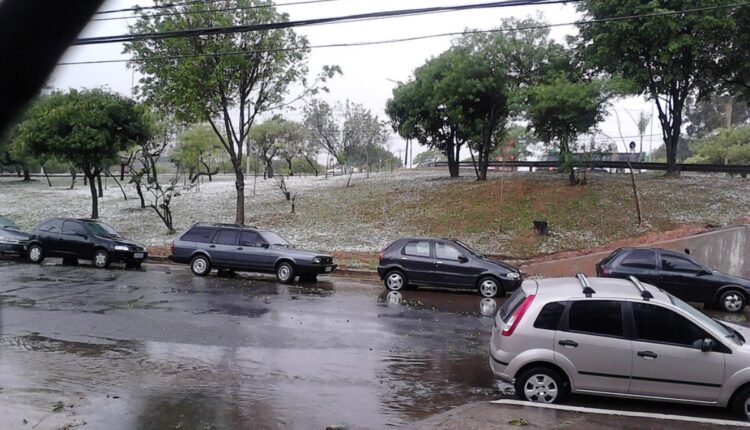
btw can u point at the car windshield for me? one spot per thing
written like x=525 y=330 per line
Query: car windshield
x=6 y=223
x=705 y=319
x=467 y=248
x=274 y=239
x=101 y=229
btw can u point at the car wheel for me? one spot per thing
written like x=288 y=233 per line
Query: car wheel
x=741 y=403
x=36 y=254
x=732 y=301
x=489 y=287
x=200 y=266
x=540 y=385
x=395 y=281
x=101 y=259
x=285 y=272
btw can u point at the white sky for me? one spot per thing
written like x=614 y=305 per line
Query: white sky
x=367 y=70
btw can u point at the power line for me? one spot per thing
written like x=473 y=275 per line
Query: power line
x=194 y=12
x=308 y=22
x=405 y=39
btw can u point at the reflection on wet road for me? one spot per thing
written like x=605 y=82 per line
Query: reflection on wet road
x=162 y=349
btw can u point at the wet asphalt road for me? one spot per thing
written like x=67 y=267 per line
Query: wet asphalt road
x=159 y=348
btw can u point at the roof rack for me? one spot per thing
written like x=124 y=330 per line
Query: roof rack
x=218 y=224
x=644 y=292
x=587 y=290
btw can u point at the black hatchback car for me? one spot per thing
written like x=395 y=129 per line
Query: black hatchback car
x=12 y=240
x=679 y=274
x=73 y=239
x=443 y=263
x=241 y=248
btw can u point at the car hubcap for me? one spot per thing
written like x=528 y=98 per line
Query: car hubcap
x=747 y=408
x=488 y=288
x=541 y=388
x=35 y=253
x=395 y=281
x=733 y=302
x=199 y=265
x=487 y=307
x=284 y=273
x=394 y=297
x=100 y=259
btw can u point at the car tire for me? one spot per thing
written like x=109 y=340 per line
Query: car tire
x=489 y=287
x=200 y=265
x=101 y=259
x=395 y=280
x=541 y=385
x=741 y=403
x=732 y=300
x=36 y=253
x=285 y=272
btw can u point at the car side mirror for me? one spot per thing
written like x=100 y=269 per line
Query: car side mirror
x=462 y=259
x=704 y=345
x=264 y=245
x=703 y=272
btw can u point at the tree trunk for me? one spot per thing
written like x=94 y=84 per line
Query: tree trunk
x=269 y=168
x=73 y=175
x=239 y=185
x=312 y=165
x=99 y=182
x=452 y=161
x=46 y=176
x=125 y=196
x=140 y=194
x=671 y=146
x=291 y=170
x=94 y=195
x=26 y=173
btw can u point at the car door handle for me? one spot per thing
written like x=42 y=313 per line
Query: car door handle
x=212 y=246
x=240 y=248
x=568 y=343
x=648 y=355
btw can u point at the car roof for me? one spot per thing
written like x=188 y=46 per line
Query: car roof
x=604 y=288
x=224 y=225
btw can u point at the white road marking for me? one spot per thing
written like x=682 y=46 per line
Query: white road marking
x=623 y=413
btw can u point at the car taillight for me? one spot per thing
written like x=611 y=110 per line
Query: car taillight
x=171 y=247
x=380 y=256
x=512 y=323
x=605 y=271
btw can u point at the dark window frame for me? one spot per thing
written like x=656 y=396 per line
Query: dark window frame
x=257 y=244
x=720 y=347
x=52 y=221
x=80 y=228
x=211 y=231
x=557 y=326
x=219 y=233
x=431 y=253
x=655 y=259
x=460 y=254
x=678 y=257
x=565 y=323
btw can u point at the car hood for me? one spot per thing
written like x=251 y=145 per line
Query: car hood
x=505 y=267
x=13 y=233
x=299 y=253
x=729 y=279
x=122 y=241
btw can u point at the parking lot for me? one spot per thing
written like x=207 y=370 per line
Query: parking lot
x=160 y=348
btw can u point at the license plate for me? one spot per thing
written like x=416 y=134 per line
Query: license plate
x=138 y=255
x=328 y=269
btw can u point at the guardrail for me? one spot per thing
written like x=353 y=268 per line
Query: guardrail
x=712 y=168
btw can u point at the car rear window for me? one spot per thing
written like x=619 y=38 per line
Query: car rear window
x=54 y=226
x=202 y=235
x=609 y=258
x=549 y=316
x=509 y=307
x=417 y=248
x=641 y=258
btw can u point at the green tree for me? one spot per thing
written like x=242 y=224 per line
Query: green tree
x=324 y=130
x=561 y=110
x=728 y=146
x=293 y=144
x=199 y=152
x=428 y=157
x=87 y=129
x=226 y=80
x=668 y=57
x=363 y=137
x=277 y=136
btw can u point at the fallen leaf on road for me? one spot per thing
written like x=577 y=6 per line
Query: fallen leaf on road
x=518 y=422
x=57 y=407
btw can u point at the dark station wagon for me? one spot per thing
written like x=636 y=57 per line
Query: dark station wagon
x=236 y=247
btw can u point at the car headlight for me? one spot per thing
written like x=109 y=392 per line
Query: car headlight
x=317 y=260
x=513 y=276
x=121 y=248
x=9 y=240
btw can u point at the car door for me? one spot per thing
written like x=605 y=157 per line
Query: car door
x=254 y=253
x=667 y=359
x=223 y=248
x=452 y=267
x=641 y=263
x=592 y=340
x=76 y=240
x=49 y=235
x=417 y=260
x=680 y=277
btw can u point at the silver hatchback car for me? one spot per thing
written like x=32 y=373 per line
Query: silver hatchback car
x=616 y=337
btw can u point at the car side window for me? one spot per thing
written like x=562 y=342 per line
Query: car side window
x=250 y=238
x=444 y=251
x=201 y=235
x=549 y=316
x=640 y=258
x=73 y=228
x=226 y=237
x=678 y=264
x=657 y=324
x=417 y=248
x=54 y=226
x=598 y=317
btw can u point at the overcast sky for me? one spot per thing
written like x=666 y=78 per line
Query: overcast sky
x=368 y=71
